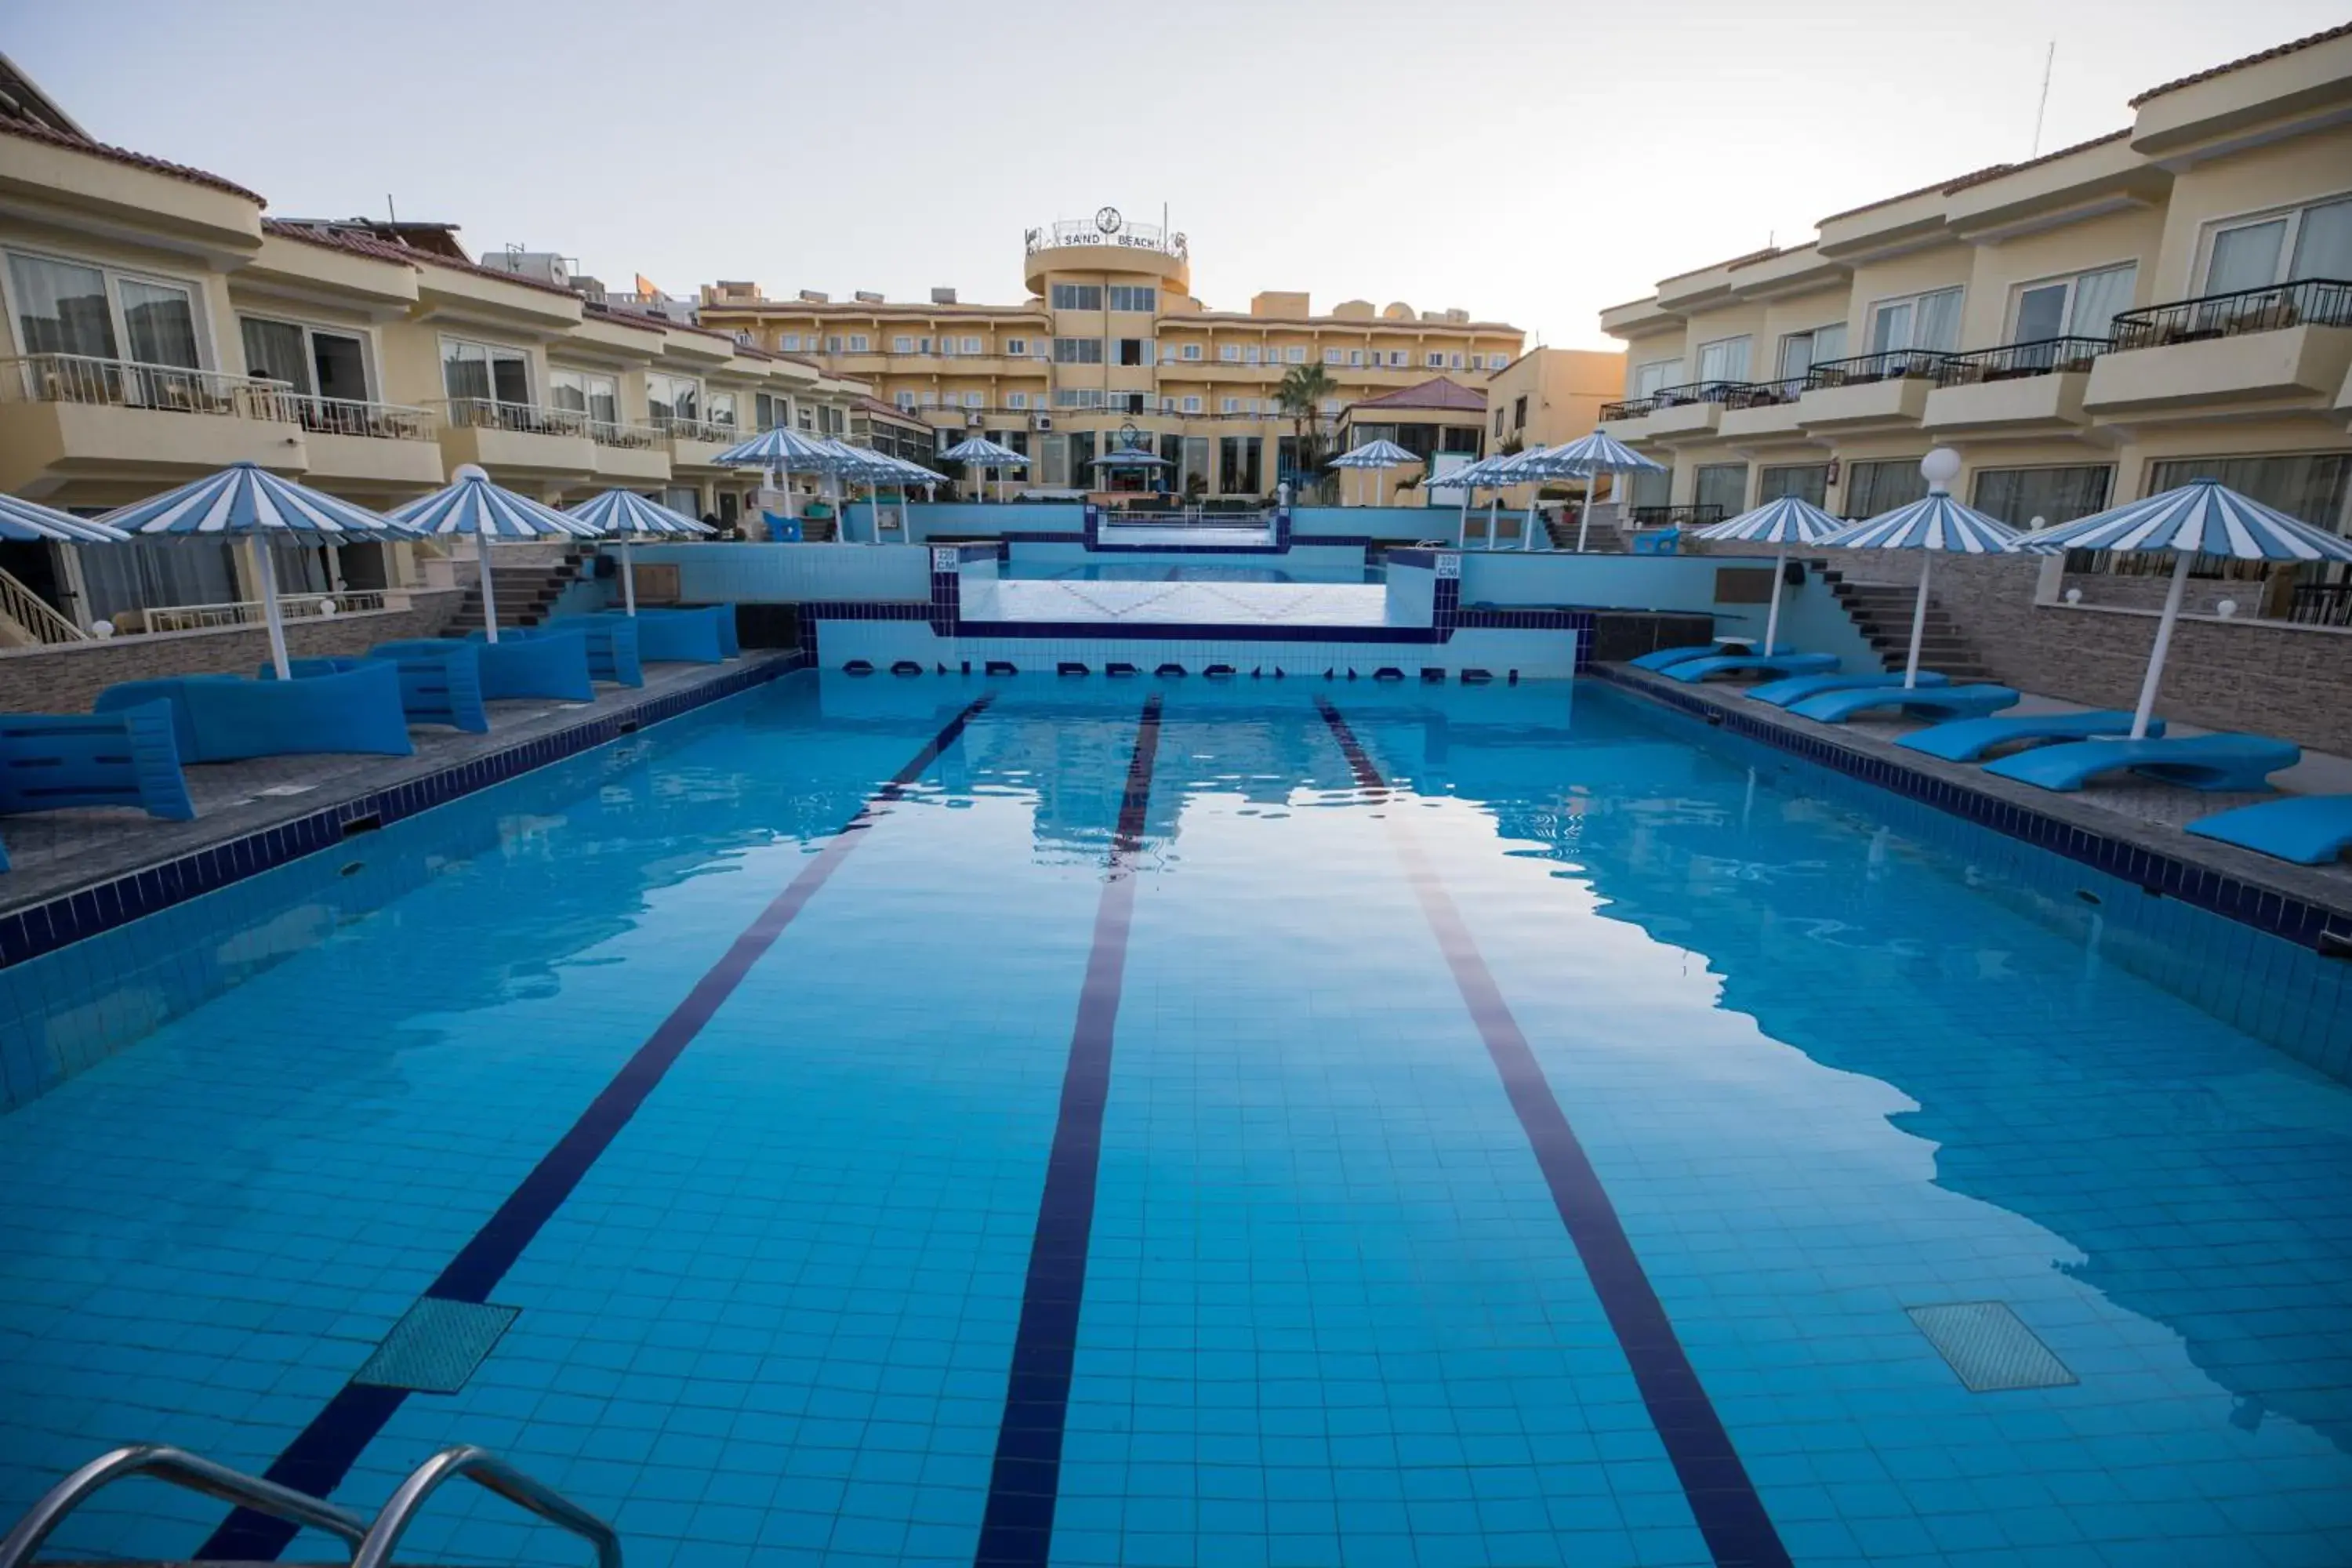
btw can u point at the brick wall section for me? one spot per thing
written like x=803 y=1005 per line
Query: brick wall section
x=66 y=680
x=2257 y=677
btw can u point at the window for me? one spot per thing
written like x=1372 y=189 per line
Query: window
x=773 y=412
x=2043 y=498
x=788 y=342
x=1192 y=350
x=596 y=398
x=859 y=342
x=1499 y=423
x=905 y=400
x=1295 y=354
x=1228 y=405
x=64 y=308
x=835 y=421
x=1249 y=355
x=1652 y=488
x=1455 y=360
x=1192 y=405
x=1016 y=400
x=1726 y=359
x=808 y=418
x=1053 y=461
x=1874 y=488
x=972 y=345
x=1518 y=412
x=1648 y=378
x=1928 y=322
x=1237 y=465
x=2315 y=487
x=833 y=342
x=1396 y=359
x=673 y=398
x=1229 y=353
x=1800 y=351
x=1077 y=397
x=1078 y=351
x=1130 y=351
x=1123 y=298
x=2309 y=242
x=1333 y=356
x=485 y=373
x=2082 y=306
x=1809 y=482
x=902 y=344
x=314 y=361
x=1018 y=347
x=1721 y=485
x=1330 y=407
x=719 y=409
x=1432 y=360
x=1077 y=296
x=1355 y=356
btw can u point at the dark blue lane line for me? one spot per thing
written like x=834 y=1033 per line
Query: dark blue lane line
x=1731 y=1517
x=323 y=1452
x=1018 y=1524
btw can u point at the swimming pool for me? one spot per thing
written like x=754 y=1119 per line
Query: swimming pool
x=937 y=1121
x=1199 y=570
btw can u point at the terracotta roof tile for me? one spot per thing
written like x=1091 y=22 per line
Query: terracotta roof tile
x=2271 y=54
x=2002 y=170
x=31 y=133
x=1435 y=393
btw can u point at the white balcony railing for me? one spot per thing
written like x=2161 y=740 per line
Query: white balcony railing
x=349 y=416
x=531 y=419
x=683 y=429
x=126 y=383
x=37 y=617
x=248 y=612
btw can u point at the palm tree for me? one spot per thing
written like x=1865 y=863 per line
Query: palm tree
x=1304 y=387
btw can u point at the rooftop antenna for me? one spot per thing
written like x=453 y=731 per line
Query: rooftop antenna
x=390 y=211
x=2044 y=107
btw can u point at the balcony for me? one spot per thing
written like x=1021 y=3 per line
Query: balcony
x=1763 y=411
x=1887 y=389
x=2018 y=388
x=64 y=417
x=2286 y=349
x=696 y=442
x=518 y=438
x=369 y=443
x=630 y=454
x=1699 y=515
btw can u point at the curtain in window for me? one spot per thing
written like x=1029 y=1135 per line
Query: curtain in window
x=301 y=568
x=2097 y=297
x=1806 y=481
x=1653 y=487
x=1829 y=342
x=1937 y=325
x=2317 y=488
x=161 y=323
x=2245 y=258
x=1874 y=488
x=1722 y=484
x=1724 y=361
x=2019 y=497
x=2323 y=246
x=274 y=349
x=61 y=309
x=1796 y=355
x=466 y=370
x=123 y=577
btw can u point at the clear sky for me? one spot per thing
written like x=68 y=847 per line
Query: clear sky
x=1526 y=160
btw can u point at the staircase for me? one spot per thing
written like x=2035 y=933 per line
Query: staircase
x=1603 y=538
x=528 y=578
x=819 y=530
x=1882 y=613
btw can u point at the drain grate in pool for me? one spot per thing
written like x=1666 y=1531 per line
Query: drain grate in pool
x=436 y=1346
x=1988 y=1347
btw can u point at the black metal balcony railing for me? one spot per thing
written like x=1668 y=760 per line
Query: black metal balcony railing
x=2309 y=301
x=1892 y=364
x=1728 y=394
x=2322 y=605
x=1631 y=408
x=1694 y=516
x=2042 y=356
x=1765 y=394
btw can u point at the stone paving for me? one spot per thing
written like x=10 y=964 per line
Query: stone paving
x=53 y=852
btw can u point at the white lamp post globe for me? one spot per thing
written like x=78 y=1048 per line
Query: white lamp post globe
x=469 y=471
x=2226 y=609
x=1940 y=467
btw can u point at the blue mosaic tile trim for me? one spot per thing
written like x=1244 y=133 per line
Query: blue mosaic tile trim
x=1176 y=631
x=2266 y=909
x=70 y=917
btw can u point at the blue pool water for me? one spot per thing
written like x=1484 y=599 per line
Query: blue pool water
x=1203 y=571
x=1460 y=1126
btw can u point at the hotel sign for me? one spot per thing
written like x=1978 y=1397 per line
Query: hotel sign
x=1107 y=228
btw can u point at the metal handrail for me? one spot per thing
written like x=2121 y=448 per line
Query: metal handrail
x=133 y=384
x=181 y=1468
x=486 y=1470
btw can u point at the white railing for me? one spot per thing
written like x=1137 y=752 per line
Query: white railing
x=350 y=416
x=39 y=618
x=248 y=612
x=679 y=429
x=532 y=419
x=125 y=383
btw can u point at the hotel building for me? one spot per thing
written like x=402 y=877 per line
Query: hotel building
x=1111 y=344
x=2169 y=301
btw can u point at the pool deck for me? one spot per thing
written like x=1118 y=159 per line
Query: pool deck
x=2145 y=815
x=56 y=853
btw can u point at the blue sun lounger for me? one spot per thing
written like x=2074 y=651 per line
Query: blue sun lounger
x=2198 y=761
x=128 y=757
x=1967 y=740
x=2309 y=829
x=1933 y=701
x=1662 y=657
x=1698 y=669
x=1796 y=687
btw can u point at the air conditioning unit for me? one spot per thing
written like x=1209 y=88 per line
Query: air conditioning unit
x=975 y=421
x=1041 y=422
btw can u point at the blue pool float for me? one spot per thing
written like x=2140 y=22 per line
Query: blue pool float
x=1661 y=658
x=1796 y=687
x=2309 y=829
x=2198 y=761
x=614 y=653
x=1698 y=669
x=227 y=717
x=1967 y=740
x=1935 y=701
x=128 y=757
x=443 y=688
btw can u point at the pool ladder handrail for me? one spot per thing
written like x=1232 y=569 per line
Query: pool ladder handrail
x=371 y=1543
x=181 y=1468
